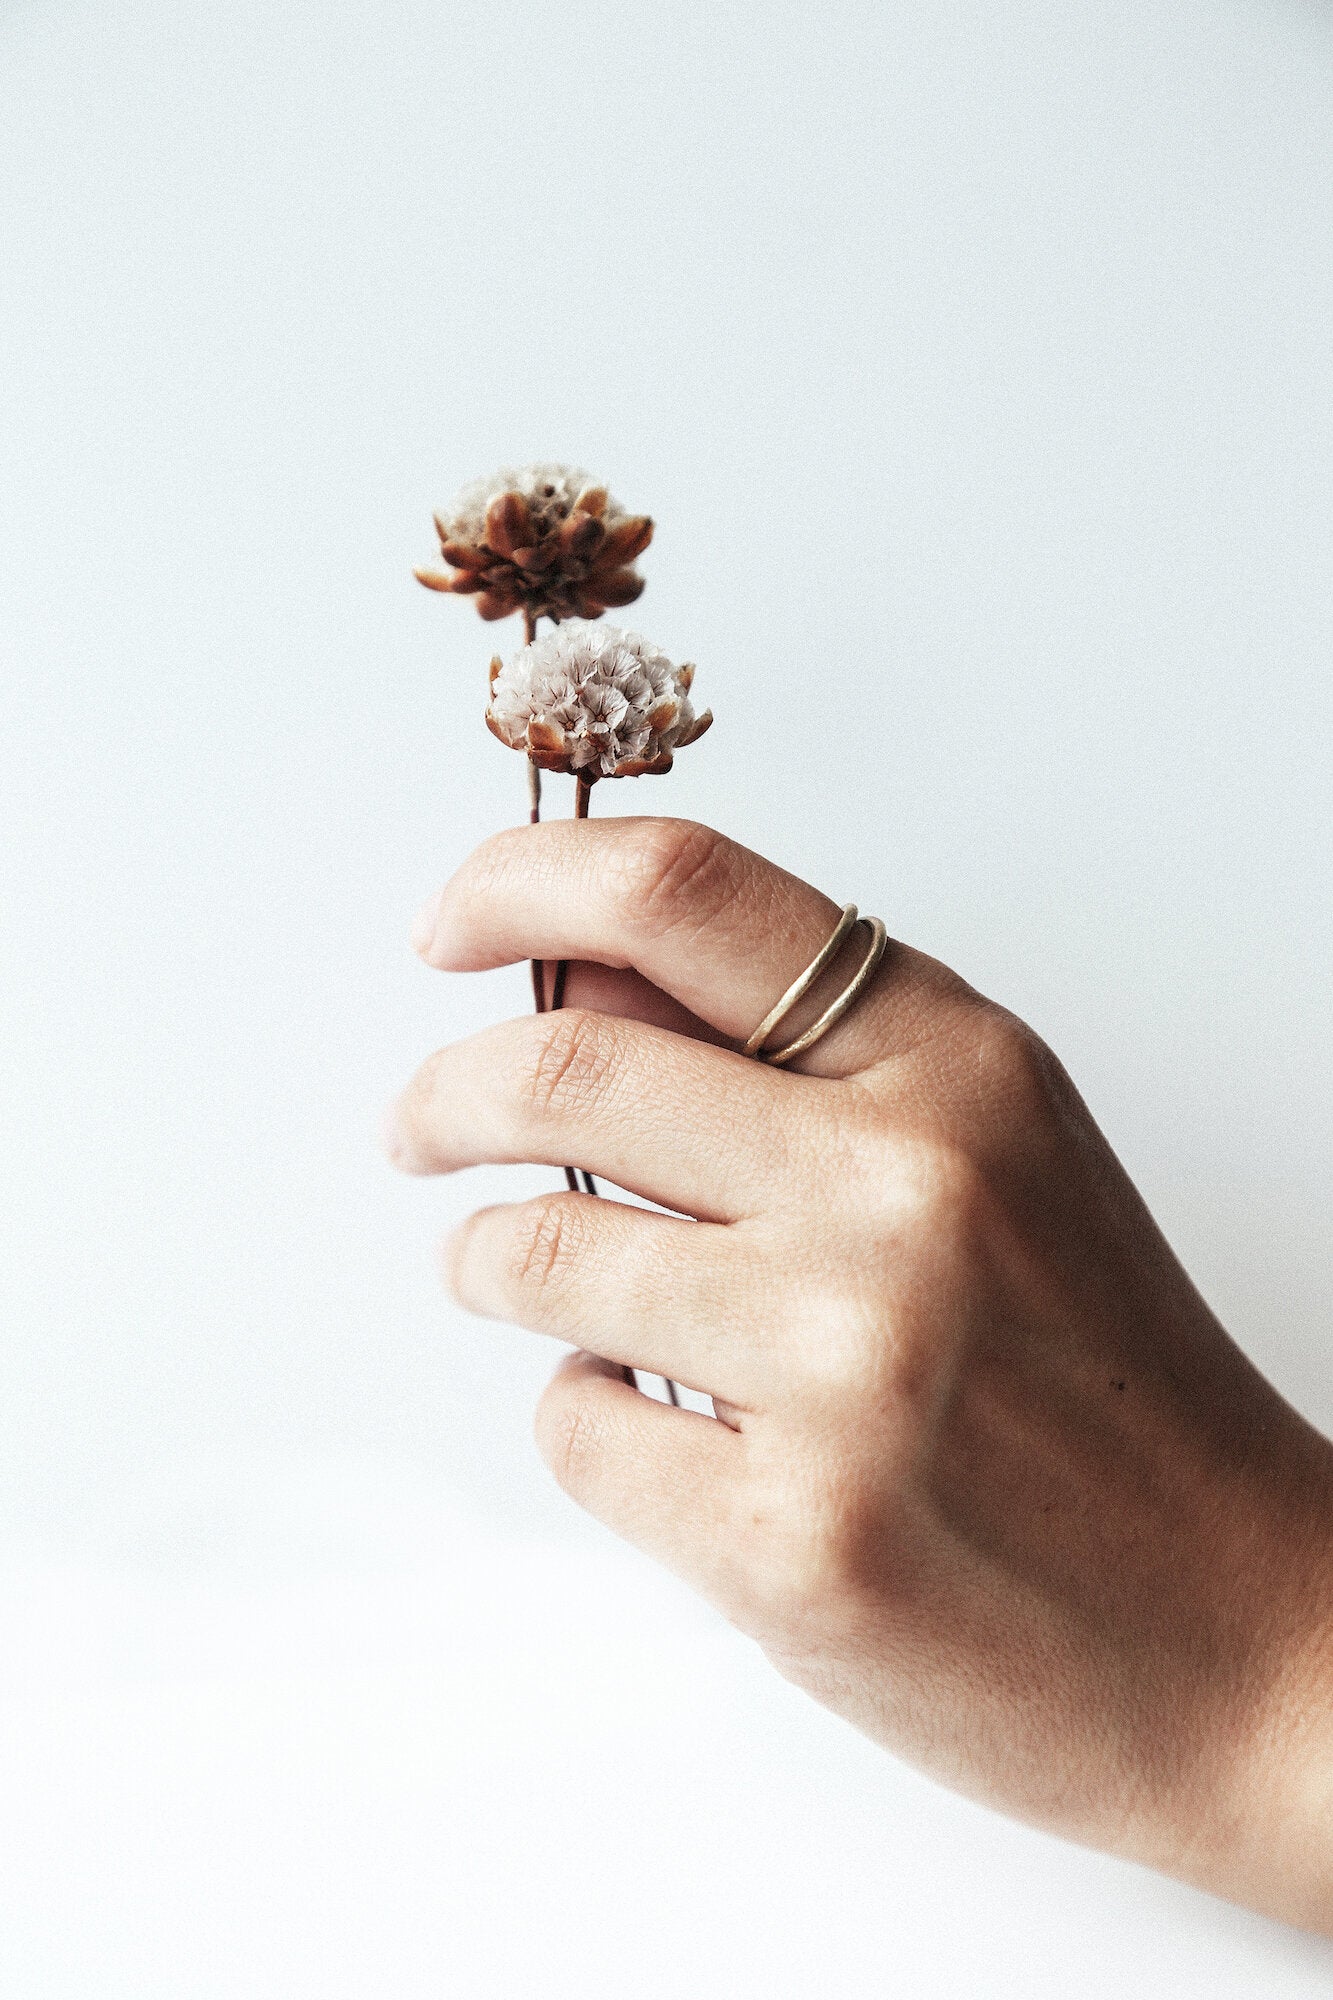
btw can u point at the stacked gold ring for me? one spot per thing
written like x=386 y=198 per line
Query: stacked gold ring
x=800 y=986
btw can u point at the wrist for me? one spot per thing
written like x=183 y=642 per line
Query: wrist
x=1267 y=1838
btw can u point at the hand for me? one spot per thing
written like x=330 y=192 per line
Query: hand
x=990 y=1480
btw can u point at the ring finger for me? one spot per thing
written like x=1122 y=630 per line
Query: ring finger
x=676 y=1298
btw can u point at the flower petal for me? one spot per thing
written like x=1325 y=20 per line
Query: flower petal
x=616 y=587
x=695 y=729
x=625 y=541
x=493 y=604
x=544 y=735
x=461 y=555
x=508 y=524
x=580 y=535
x=539 y=557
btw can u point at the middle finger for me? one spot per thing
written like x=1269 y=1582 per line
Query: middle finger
x=694 y=1128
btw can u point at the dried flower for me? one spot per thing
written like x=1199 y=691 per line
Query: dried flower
x=546 y=540
x=595 y=700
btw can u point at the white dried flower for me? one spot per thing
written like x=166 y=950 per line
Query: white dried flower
x=595 y=700
x=549 y=490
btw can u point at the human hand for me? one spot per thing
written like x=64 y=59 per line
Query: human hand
x=990 y=1480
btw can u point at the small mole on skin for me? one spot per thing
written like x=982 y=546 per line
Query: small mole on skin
x=1117 y=1385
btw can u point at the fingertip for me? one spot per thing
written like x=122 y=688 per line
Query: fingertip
x=393 y=1143
x=424 y=925
x=398 y=1145
x=448 y=1259
x=442 y=936
x=452 y=1259
x=562 y=1419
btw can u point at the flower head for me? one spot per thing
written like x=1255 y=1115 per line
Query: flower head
x=543 y=539
x=596 y=700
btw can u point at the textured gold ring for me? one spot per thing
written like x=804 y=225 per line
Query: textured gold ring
x=836 y=1008
x=823 y=958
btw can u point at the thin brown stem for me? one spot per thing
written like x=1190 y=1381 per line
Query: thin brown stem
x=534 y=815
x=577 y=1181
x=582 y=799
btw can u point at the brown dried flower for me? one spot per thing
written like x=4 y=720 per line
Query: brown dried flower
x=596 y=701
x=546 y=540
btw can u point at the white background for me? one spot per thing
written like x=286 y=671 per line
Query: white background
x=974 y=357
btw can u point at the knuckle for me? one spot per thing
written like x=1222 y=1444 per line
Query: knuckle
x=854 y=1144
x=837 y=1344
x=569 y=1438
x=1016 y=1076
x=812 y=1554
x=944 y=1210
x=573 y=1061
x=796 y=1586
x=954 y=1191
x=548 y=1237
x=675 y=872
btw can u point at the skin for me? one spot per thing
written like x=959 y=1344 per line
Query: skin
x=989 y=1479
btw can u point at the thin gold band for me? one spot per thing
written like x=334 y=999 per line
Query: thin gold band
x=823 y=958
x=836 y=1008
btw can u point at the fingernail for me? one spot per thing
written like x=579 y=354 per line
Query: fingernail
x=423 y=924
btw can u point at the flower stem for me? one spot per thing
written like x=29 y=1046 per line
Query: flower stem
x=534 y=815
x=582 y=800
x=582 y=795
x=577 y=1179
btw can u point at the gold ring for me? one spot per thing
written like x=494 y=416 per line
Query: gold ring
x=836 y=1008
x=800 y=987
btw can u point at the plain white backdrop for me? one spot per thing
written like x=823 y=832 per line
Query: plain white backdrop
x=974 y=358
